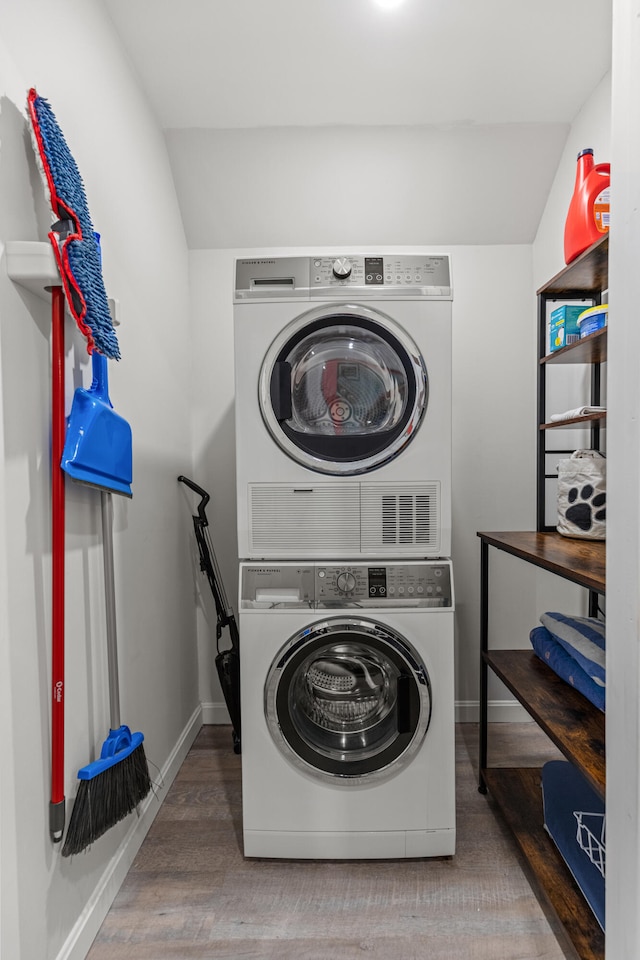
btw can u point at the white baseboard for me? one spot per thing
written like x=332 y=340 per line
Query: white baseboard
x=215 y=713
x=498 y=711
x=86 y=927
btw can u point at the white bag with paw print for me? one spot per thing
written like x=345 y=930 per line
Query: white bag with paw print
x=582 y=495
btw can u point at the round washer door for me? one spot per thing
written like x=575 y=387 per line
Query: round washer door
x=343 y=389
x=348 y=700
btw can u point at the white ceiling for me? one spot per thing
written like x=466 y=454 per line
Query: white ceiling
x=499 y=79
x=256 y=63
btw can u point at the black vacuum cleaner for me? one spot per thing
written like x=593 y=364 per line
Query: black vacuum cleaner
x=227 y=661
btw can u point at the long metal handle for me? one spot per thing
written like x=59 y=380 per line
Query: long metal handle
x=58 y=427
x=110 y=605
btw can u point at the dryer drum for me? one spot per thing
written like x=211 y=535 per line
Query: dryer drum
x=346 y=382
x=343 y=393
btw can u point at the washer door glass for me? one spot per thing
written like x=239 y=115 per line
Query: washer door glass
x=345 y=392
x=349 y=699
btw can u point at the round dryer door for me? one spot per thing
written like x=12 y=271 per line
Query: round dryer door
x=348 y=700
x=343 y=390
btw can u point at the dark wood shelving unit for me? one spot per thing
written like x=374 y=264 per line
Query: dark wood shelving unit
x=571 y=722
x=568 y=719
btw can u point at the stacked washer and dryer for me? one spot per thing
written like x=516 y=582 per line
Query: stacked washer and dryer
x=346 y=599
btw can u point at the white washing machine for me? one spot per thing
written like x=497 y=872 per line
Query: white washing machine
x=347 y=697
x=343 y=406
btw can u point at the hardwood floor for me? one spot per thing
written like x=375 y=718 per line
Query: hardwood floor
x=190 y=895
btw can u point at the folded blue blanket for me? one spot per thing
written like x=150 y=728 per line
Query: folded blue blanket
x=567 y=667
x=583 y=638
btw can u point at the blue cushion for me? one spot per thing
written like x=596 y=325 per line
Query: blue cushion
x=583 y=638
x=555 y=656
x=566 y=793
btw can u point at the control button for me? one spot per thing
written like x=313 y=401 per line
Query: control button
x=420 y=588
x=342 y=268
x=346 y=582
x=383 y=590
x=412 y=589
x=438 y=589
x=317 y=263
x=372 y=591
x=438 y=571
x=400 y=589
x=321 y=574
x=429 y=589
x=392 y=590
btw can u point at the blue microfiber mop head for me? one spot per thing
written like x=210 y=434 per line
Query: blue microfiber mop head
x=74 y=243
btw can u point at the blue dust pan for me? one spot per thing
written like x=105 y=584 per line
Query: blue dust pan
x=98 y=444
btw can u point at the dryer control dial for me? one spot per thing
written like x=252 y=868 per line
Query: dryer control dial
x=345 y=582
x=342 y=268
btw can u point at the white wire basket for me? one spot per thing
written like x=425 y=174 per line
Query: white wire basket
x=591 y=836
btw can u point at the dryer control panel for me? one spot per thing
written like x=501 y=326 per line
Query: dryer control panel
x=364 y=276
x=413 y=583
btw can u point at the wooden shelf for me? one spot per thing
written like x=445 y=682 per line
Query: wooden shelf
x=580 y=561
x=570 y=721
x=583 y=421
x=518 y=795
x=591 y=349
x=588 y=273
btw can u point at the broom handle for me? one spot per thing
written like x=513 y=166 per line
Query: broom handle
x=110 y=602
x=58 y=426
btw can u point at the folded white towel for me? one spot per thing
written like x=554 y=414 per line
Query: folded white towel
x=578 y=412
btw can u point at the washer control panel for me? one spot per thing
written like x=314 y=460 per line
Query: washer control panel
x=285 y=585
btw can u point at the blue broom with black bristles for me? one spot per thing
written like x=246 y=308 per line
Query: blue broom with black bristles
x=111 y=787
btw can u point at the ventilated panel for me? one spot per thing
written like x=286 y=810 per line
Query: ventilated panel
x=288 y=521
x=404 y=518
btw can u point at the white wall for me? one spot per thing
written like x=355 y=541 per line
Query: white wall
x=50 y=906
x=293 y=186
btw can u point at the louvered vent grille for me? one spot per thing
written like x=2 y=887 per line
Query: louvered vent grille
x=404 y=517
x=288 y=521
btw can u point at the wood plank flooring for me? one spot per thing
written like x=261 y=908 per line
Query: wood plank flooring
x=190 y=895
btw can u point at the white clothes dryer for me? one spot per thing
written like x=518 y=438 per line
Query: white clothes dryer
x=343 y=406
x=347 y=698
